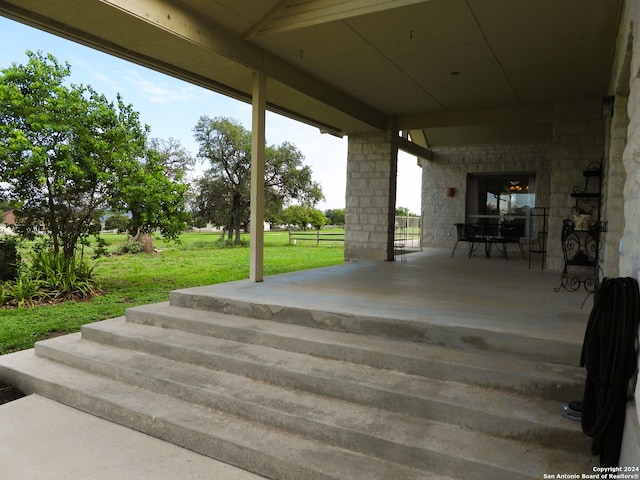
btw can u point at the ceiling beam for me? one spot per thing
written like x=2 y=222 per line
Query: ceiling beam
x=176 y=20
x=526 y=114
x=288 y=15
x=413 y=148
x=193 y=27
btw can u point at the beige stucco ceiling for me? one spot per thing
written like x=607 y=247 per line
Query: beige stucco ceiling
x=457 y=71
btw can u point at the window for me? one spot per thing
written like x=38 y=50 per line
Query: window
x=500 y=198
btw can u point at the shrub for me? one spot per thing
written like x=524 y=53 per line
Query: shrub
x=50 y=276
x=131 y=246
x=61 y=276
x=24 y=290
x=3 y=296
x=9 y=258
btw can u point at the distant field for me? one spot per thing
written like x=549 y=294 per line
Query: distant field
x=129 y=280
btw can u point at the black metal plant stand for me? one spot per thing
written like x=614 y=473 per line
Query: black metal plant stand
x=581 y=240
x=580 y=252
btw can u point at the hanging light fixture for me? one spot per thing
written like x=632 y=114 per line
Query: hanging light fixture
x=514 y=186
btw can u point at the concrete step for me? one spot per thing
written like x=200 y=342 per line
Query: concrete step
x=483 y=368
x=261 y=449
x=464 y=338
x=410 y=441
x=481 y=409
x=291 y=393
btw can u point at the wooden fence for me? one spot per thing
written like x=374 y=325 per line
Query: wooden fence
x=317 y=236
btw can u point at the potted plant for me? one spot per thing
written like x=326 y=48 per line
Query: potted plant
x=582 y=217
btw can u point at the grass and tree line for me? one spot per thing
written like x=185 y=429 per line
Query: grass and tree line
x=129 y=280
x=74 y=164
x=70 y=159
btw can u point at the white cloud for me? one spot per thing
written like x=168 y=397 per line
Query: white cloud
x=158 y=89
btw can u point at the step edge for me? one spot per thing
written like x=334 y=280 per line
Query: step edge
x=548 y=376
x=482 y=466
x=363 y=393
x=34 y=383
x=527 y=346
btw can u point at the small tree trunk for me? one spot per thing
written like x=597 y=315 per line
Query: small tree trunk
x=53 y=222
x=144 y=239
x=147 y=243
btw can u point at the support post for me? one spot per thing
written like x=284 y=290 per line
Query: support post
x=256 y=221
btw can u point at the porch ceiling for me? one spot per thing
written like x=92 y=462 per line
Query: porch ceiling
x=451 y=71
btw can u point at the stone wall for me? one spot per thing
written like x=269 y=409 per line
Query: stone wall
x=578 y=142
x=370 y=203
x=613 y=189
x=625 y=82
x=450 y=167
x=622 y=187
x=630 y=260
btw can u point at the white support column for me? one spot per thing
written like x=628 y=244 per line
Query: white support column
x=256 y=220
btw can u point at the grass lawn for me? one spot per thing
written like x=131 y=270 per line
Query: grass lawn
x=129 y=280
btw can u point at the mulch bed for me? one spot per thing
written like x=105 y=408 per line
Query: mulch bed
x=8 y=394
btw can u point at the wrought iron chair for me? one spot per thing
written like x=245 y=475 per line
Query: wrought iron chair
x=467 y=232
x=510 y=233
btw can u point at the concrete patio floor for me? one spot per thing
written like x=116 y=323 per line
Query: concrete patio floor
x=489 y=294
x=430 y=287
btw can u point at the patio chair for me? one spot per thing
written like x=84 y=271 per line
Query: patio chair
x=467 y=232
x=510 y=233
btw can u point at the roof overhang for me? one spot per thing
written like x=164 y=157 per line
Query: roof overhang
x=450 y=71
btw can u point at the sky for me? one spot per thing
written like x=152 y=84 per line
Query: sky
x=172 y=107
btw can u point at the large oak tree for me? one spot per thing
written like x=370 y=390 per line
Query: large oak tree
x=223 y=193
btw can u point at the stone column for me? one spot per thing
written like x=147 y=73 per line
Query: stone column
x=372 y=162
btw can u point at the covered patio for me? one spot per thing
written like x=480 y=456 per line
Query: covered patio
x=501 y=300
x=489 y=326
x=472 y=88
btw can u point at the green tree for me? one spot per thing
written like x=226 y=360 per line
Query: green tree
x=303 y=216
x=69 y=153
x=117 y=222
x=212 y=202
x=335 y=216
x=153 y=193
x=286 y=179
x=223 y=194
x=402 y=212
x=175 y=160
x=318 y=219
x=65 y=150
